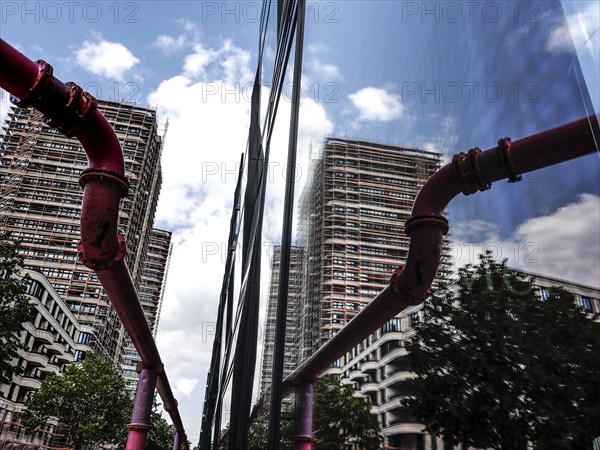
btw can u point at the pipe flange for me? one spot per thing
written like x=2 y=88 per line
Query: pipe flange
x=466 y=166
x=430 y=219
x=77 y=113
x=506 y=161
x=44 y=74
x=105 y=175
x=302 y=438
x=107 y=263
x=139 y=427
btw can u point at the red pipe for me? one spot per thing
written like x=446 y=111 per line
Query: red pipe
x=468 y=173
x=74 y=113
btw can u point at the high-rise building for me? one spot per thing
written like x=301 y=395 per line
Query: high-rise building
x=352 y=217
x=40 y=204
x=292 y=337
x=150 y=292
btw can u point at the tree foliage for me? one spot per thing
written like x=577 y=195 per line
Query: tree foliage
x=499 y=367
x=14 y=307
x=88 y=399
x=342 y=419
x=259 y=429
x=161 y=434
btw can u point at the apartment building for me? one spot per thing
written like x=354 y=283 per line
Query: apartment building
x=40 y=204
x=378 y=367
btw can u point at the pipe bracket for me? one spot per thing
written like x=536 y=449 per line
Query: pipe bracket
x=160 y=368
x=105 y=175
x=466 y=166
x=77 y=113
x=506 y=161
x=169 y=409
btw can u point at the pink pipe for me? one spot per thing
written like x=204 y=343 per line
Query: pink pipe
x=427 y=227
x=74 y=113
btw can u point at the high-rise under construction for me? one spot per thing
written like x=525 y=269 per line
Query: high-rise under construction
x=352 y=218
x=40 y=204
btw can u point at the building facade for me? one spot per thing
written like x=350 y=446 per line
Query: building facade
x=378 y=367
x=352 y=217
x=40 y=204
x=52 y=339
x=292 y=338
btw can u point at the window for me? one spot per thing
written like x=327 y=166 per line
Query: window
x=84 y=338
x=545 y=293
x=586 y=303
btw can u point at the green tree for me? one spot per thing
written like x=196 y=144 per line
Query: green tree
x=14 y=307
x=497 y=366
x=89 y=400
x=161 y=434
x=259 y=429
x=342 y=419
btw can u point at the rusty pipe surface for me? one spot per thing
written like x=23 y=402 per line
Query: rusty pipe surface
x=74 y=113
x=467 y=173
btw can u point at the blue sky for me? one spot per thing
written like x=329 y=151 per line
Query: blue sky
x=444 y=76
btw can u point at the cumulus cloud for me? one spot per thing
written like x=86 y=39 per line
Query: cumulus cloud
x=576 y=30
x=377 y=105
x=564 y=244
x=168 y=44
x=228 y=63
x=107 y=59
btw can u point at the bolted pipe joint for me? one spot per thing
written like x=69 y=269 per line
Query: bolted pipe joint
x=101 y=245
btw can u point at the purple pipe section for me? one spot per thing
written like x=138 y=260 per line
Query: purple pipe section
x=140 y=418
x=177 y=440
x=303 y=439
x=74 y=113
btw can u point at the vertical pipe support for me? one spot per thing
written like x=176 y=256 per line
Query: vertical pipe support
x=305 y=398
x=177 y=440
x=140 y=417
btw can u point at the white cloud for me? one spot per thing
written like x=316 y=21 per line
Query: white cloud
x=577 y=29
x=229 y=63
x=325 y=71
x=564 y=244
x=168 y=44
x=108 y=59
x=375 y=104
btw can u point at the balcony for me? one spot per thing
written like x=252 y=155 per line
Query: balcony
x=44 y=336
x=355 y=375
x=37 y=359
x=28 y=382
x=369 y=366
